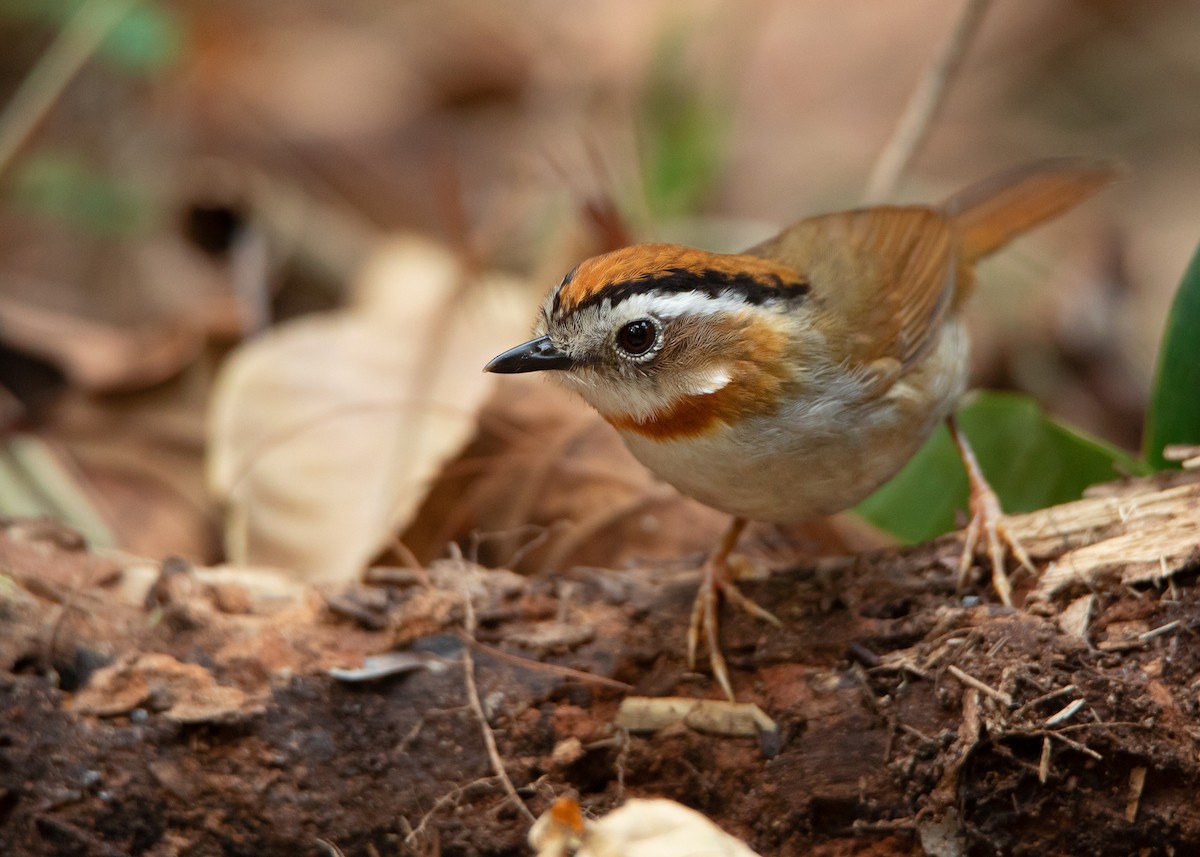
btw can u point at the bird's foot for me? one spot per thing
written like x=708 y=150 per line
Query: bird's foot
x=988 y=528
x=715 y=581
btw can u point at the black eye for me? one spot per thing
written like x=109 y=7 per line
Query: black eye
x=637 y=337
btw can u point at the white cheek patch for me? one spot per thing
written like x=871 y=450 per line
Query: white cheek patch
x=711 y=381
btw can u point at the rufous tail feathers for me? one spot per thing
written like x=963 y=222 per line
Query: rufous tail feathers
x=991 y=213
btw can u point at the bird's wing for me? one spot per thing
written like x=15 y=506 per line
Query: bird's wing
x=882 y=279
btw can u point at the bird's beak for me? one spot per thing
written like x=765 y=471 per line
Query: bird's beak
x=532 y=356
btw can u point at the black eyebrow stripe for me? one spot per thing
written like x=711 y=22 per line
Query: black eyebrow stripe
x=753 y=290
x=566 y=281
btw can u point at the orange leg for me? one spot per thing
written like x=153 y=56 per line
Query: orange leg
x=704 y=609
x=987 y=522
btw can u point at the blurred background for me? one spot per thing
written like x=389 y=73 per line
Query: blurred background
x=178 y=177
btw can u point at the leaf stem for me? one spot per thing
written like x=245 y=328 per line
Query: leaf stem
x=923 y=105
x=46 y=81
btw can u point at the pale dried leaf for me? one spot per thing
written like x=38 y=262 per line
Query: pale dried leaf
x=639 y=828
x=327 y=432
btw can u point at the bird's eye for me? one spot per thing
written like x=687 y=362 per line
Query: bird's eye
x=637 y=337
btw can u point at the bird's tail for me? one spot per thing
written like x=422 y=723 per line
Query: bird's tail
x=991 y=213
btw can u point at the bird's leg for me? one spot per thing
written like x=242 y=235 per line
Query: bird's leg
x=716 y=579
x=987 y=522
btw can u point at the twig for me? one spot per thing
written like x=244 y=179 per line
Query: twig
x=409 y=558
x=917 y=733
x=1065 y=714
x=1045 y=697
x=583 y=531
x=542 y=666
x=489 y=739
x=1160 y=630
x=987 y=690
x=538 y=536
x=76 y=42
x=449 y=797
x=1076 y=745
x=923 y=105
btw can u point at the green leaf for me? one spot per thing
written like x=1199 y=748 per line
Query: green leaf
x=1174 y=415
x=62 y=186
x=148 y=39
x=1030 y=460
x=682 y=134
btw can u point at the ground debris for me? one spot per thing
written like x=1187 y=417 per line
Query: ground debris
x=906 y=716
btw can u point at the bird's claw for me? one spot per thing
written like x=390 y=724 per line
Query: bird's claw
x=704 y=620
x=988 y=525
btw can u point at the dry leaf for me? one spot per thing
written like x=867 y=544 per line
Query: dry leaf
x=95 y=356
x=326 y=432
x=639 y=828
x=185 y=693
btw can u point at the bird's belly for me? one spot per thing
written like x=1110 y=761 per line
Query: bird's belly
x=812 y=458
x=778 y=472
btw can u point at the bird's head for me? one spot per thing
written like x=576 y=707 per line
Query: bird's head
x=665 y=340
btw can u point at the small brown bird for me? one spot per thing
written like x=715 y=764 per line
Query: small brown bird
x=792 y=380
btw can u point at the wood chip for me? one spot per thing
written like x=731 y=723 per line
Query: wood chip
x=1131 y=540
x=1137 y=782
x=717 y=717
x=1074 y=620
x=1185 y=453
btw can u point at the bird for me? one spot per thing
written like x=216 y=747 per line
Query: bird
x=789 y=381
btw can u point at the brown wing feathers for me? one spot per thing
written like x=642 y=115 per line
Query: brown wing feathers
x=887 y=275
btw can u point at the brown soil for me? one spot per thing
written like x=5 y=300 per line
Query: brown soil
x=909 y=720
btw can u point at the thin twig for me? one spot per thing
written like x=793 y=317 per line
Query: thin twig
x=450 y=797
x=987 y=690
x=542 y=666
x=923 y=105
x=409 y=558
x=489 y=739
x=1045 y=697
x=1067 y=712
x=1159 y=631
x=44 y=84
x=1076 y=745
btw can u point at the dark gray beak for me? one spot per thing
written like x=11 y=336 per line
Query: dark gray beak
x=532 y=356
